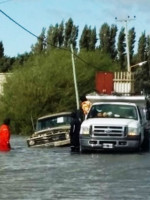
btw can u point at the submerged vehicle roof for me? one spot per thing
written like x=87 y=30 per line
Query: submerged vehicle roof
x=55 y=115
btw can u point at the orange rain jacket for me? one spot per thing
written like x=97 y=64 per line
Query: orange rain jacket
x=4 y=138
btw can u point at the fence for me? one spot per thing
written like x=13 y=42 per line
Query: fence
x=124 y=82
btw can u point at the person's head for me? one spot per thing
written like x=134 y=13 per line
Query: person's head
x=83 y=98
x=6 y=121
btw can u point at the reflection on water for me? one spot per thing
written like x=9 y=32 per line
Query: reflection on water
x=55 y=173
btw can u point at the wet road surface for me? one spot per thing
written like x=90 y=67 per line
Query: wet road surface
x=56 y=173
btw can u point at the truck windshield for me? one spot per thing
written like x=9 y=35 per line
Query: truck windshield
x=51 y=122
x=113 y=111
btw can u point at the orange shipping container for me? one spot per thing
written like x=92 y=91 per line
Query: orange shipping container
x=104 y=82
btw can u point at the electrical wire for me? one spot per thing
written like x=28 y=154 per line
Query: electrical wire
x=18 y=24
x=40 y=37
x=1 y=2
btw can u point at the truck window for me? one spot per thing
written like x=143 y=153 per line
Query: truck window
x=51 y=122
x=113 y=111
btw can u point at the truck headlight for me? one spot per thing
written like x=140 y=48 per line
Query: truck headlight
x=67 y=136
x=85 y=130
x=132 y=131
x=31 y=142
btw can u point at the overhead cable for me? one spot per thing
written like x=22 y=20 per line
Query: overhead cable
x=1 y=2
x=18 y=24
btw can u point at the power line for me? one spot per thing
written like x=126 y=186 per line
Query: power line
x=1 y=2
x=19 y=24
x=25 y=29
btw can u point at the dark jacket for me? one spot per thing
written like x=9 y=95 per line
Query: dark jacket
x=74 y=132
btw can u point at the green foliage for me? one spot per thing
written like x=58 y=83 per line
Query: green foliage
x=52 y=37
x=6 y=64
x=1 y=50
x=71 y=33
x=88 y=39
x=39 y=47
x=84 y=40
x=143 y=73
x=142 y=48
x=38 y=88
x=131 y=39
x=104 y=36
x=107 y=37
x=121 y=48
x=142 y=80
x=113 y=51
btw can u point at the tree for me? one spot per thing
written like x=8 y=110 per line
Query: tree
x=104 y=36
x=93 y=39
x=1 y=50
x=61 y=34
x=88 y=38
x=74 y=35
x=53 y=37
x=40 y=46
x=84 y=40
x=121 y=48
x=71 y=33
x=143 y=73
x=113 y=33
x=131 y=40
x=68 y=31
x=141 y=55
x=107 y=37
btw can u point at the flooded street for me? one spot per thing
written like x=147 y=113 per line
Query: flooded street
x=55 y=173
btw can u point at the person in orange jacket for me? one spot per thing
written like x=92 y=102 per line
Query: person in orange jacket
x=5 y=136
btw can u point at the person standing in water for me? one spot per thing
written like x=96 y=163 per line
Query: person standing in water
x=74 y=132
x=5 y=135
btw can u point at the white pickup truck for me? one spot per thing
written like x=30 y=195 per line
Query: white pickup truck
x=115 y=122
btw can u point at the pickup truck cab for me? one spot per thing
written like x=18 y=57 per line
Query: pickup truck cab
x=113 y=125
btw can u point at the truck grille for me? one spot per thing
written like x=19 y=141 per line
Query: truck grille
x=109 y=131
x=47 y=139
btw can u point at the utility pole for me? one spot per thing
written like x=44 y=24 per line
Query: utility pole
x=74 y=78
x=125 y=21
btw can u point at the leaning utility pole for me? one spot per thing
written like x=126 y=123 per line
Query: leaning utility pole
x=74 y=78
x=127 y=42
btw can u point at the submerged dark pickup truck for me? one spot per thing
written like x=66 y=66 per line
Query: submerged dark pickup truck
x=51 y=130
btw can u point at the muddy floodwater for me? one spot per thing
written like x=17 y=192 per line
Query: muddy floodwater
x=56 y=173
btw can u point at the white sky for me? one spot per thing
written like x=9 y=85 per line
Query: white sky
x=36 y=14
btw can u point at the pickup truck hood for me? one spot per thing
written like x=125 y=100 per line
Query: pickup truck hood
x=110 y=122
x=54 y=130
